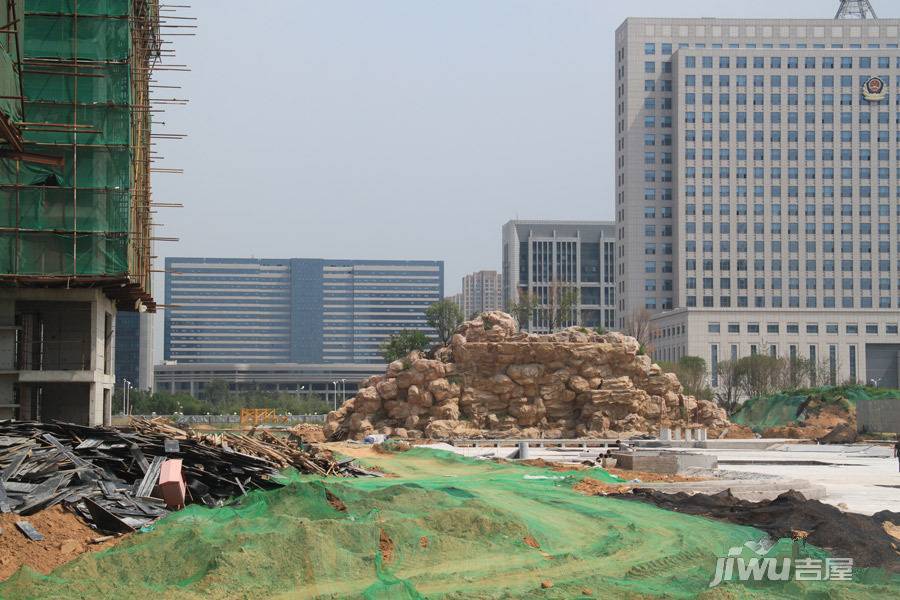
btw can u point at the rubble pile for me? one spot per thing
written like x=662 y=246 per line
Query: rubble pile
x=495 y=381
x=117 y=480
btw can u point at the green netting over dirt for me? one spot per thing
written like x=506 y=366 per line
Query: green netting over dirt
x=80 y=224
x=779 y=410
x=440 y=527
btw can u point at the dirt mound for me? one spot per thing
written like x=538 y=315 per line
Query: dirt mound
x=739 y=432
x=65 y=538
x=497 y=382
x=830 y=424
x=592 y=487
x=309 y=433
x=850 y=535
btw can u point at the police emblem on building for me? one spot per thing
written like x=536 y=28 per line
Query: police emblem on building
x=874 y=89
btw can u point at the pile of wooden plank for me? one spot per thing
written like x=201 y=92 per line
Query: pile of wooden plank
x=282 y=450
x=109 y=476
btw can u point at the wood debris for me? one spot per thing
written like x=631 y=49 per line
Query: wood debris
x=110 y=477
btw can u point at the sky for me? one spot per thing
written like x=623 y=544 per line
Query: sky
x=397 y=129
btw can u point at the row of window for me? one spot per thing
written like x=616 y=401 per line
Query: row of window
x=776 y=265
x=666 y=48
x=847 y=302
x=779 y=228
x=793 y=246
x=793 y=283
x=793 y=154
x=740 y=135
x=777 y=81
x=811 y=328
x=791 y=62
x=793 y=191
x=779 y=173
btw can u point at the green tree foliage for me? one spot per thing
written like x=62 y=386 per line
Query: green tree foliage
x=164 y=403
x=563 y=302
x=691 y=372
x=523 y=309
x=402 y=343
x=216 y=393
x=445 y=316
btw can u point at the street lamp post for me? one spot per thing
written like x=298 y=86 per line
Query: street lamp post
x=335 y=394
x=343 y=391
x=125 y=383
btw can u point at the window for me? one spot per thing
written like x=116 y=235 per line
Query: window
x=713 y=328
x=772 y=328
x=752 y=327
x=714 y=364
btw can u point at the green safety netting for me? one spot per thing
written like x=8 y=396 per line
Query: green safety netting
x=85 y=7
x=441 y=526
x=73 y=220
x=779 y=410
x=10 y=44
x=85 y=37
x=44 y=207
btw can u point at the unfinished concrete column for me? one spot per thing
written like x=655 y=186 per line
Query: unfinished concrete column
x=676 y=437
x=665 y=434
x=8 y=402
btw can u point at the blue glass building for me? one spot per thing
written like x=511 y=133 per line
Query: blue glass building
x=301 y=310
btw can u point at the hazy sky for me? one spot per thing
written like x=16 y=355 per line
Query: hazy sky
x=404 y=129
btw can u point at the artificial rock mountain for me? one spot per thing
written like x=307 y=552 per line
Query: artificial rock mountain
x=495 y=381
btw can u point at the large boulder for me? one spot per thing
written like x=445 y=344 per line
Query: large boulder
x=492 y=380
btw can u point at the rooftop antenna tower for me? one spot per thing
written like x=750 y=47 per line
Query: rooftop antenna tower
x=856 y=9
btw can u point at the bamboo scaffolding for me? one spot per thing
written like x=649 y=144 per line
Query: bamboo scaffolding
x=149 y=24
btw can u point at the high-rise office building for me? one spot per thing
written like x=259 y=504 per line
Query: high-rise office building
x=757 y=189
x=457 y=299
x=545 y=259
x=481 y=292
x=309 y=311
x=134 y=349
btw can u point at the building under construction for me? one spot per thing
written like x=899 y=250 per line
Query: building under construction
x=75 y=214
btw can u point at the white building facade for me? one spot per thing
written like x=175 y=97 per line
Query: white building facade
x=758 y=189
x=544 y=258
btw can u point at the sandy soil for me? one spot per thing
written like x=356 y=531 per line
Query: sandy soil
x=65 y=538
x=815 y=427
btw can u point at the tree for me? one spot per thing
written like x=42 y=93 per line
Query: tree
x=640 y=326
x=797 y=373
x=523 y=309
x=216 y=393
x=760 y=375
x=402 y=343
x=563 y=302
x=445 y=316
x=728 y=393
x=691 y=372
